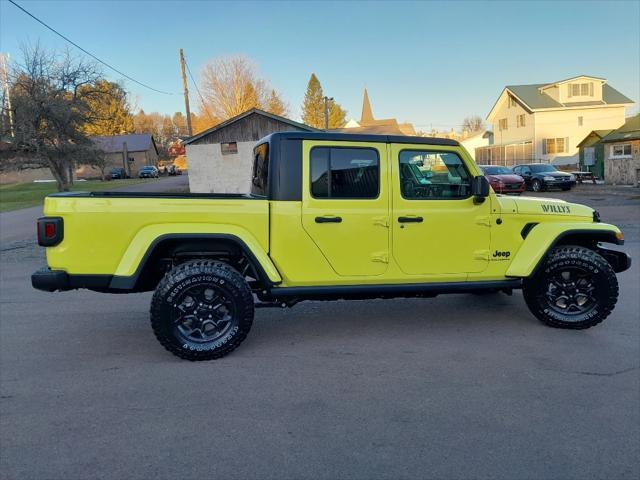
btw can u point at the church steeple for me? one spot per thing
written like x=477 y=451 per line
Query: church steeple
x=367 y=113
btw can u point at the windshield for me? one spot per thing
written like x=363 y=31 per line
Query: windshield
x=496 y=170
x=543 y=168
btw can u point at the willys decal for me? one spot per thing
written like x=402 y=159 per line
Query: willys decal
x=555 y=208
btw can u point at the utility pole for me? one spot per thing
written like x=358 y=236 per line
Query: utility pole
x=186 y=92
x=326 y=112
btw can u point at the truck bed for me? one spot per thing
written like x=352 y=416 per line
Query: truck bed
x=108 y=233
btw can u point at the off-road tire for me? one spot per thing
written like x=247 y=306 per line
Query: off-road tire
x=537 y=186
x=574 y=258
x=220 y=277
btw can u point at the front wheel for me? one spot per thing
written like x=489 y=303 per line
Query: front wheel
x=574 y=288
x=202 y=310
x=537 y=186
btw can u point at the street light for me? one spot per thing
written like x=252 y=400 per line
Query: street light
x=326 y=112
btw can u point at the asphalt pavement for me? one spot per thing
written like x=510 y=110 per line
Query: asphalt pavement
x=454 y=387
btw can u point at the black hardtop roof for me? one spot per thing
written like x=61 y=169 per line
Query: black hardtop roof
x=348 y=137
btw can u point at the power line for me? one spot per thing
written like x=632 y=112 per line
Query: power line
x=204 y=105
x=87 y=52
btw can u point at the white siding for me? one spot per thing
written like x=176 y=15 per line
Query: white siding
x=513 y=134
x=564 y=124
x=474 y=142
x=212 y=172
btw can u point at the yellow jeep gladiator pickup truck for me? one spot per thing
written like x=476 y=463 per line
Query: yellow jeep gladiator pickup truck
x=330 y=216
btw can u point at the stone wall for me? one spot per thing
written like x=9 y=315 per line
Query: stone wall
x=622 y=171
x=212 y=172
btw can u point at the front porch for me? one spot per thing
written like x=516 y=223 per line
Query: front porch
x=508 y=155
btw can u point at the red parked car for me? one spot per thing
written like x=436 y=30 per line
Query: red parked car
x=502 y=179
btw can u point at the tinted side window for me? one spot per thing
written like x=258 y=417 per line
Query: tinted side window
x=260 y=175
x=431 y=175
x=344 y=172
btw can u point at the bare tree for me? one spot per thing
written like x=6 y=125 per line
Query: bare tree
x=472 y=124
x=98 y=160
x=51 y=101
x=231 y=85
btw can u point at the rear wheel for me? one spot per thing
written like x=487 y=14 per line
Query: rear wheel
x=575 y=288
x=537 y=186
x=202 y=310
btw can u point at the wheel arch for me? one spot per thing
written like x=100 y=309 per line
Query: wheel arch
x=221 y=246
x=543 y=237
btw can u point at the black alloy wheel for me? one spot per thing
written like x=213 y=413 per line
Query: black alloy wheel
x=202 y=310
x=573 y=288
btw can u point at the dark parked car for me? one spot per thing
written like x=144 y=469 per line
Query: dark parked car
x=117 y=173
x=173 y=170
x=148 y=171
x=502 y=179
x=542 y=176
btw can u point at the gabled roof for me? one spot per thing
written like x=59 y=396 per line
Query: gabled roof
x=383 y=129
x=257 y=111
x=532 y=97
x=629 y=131
x=566 y=80
x=136 y=142
x=594 y=137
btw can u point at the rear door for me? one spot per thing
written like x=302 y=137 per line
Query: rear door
x=345 y=204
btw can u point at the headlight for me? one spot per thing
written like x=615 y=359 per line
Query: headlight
x=548 y=179
x=572 y=177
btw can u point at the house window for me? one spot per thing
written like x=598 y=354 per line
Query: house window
x=502 y=124
x=555 y=145
x=229 y=148
x=621 y=151
x=580 y=121
x=580 y=89
x=512 y=102
x=521 y=120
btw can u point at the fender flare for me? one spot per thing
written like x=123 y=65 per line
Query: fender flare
x=543 y=237
x=125 y=279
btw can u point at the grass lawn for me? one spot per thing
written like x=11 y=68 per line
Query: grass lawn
x=22 y=195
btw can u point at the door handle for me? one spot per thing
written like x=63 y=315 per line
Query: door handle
x=410 y=219
x=328 y=219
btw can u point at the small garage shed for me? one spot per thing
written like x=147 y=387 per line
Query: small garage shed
x=221 y=158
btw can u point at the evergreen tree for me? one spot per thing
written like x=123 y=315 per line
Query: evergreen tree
x=337 y=116
x=109 y=107
x=275 y=104
x=313 y=106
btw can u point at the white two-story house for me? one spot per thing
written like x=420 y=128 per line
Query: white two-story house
x=545 y=122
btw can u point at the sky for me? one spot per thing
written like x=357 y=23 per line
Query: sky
x=429 y=63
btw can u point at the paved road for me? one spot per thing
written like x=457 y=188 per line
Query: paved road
x=20 y=224
x=459 y=386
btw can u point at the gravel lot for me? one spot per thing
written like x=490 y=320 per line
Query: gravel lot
x=459 y=386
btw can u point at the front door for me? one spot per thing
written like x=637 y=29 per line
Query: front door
x=437 y=227
x=345 y=204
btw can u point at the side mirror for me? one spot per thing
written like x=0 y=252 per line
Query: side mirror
x=480 y=188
